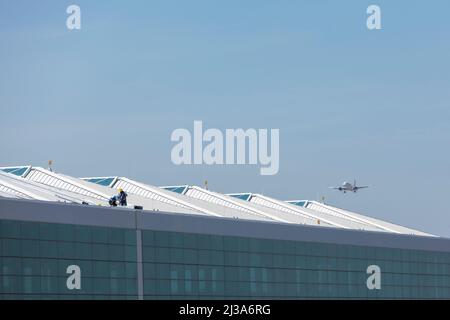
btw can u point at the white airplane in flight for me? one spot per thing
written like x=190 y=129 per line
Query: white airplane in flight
x=347 y=186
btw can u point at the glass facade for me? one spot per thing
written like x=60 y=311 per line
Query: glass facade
x=34 y=258
x=178 y=265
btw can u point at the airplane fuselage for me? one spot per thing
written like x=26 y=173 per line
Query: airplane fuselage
x=347 y=186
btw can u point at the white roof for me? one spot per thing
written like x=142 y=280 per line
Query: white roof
x=148 y=191
x=27 y=182
x=17 y=187
x=320 y=217
x=352 y=216
x=244 y=206
x=337 y=217
x=64 y=186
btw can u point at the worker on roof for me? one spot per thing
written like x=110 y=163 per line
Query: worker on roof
x=122 y=197
x=113 y=201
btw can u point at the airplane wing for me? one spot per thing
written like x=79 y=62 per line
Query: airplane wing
x=362 y=187
x=337 y=188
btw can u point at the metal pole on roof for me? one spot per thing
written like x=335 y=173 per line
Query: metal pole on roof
x=50 y=162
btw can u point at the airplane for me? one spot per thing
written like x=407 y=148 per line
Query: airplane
x=347 y=186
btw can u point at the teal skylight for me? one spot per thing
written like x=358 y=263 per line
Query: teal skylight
x=298 y=203
x=177 y=189
x=242 y=196
x=18 y=171
x=104 y=181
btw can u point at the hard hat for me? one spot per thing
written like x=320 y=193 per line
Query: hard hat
x=120 y=189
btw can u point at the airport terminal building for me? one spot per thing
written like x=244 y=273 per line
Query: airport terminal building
x=59 y=239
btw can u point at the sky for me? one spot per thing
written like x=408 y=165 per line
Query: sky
x=350 y=103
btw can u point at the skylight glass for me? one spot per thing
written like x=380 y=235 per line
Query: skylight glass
x=242 y=196
x=298 y=203
x=177 y=189
x=18 y=171
x=105 y=181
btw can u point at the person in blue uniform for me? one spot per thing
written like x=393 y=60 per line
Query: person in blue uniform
x=122 y=198
x=113 y=201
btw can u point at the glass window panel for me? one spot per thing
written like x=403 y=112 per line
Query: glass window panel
x=11 y=247
x=161 y=238
x=243 y=245
x=31 y=267
x=87 y=269
x=162 y=254
x=217 y=242
x=148 y=238
x=101 y=286
x=176 y=240
x=130 y=270
x=9 y=229
x=117 y=269
x=131 y=287
x=48 y=231
x=163 y=271
x=176 y=255
x=29 y=230
x=11 y=266
x=190 y=240
x=30 y=248
x=148 y=254
x=116 y=252
x=190 y=256
x=101 y=269
x=48 y=249
x=66 y=232
x=116 y=236
x=99 y=235
x=12 y=284
x=149 y=270
x=204 y=241
x=100 y=252
x=130 y=253
x=49 y=284
x=49 y=267
x=66 y=250
x=83 y=234
x=217 y=257
x=130 y=237
x=83 y=250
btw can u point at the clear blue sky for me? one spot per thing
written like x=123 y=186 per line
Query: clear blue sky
x=349 y=102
